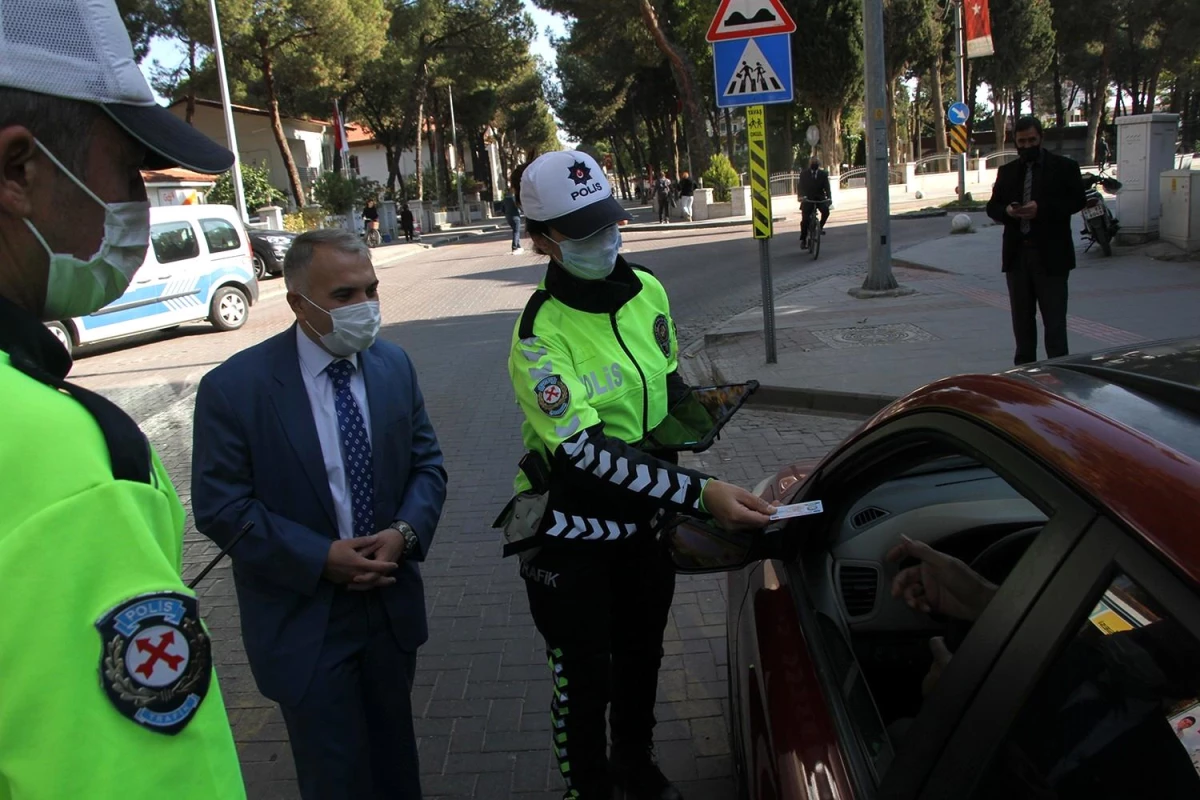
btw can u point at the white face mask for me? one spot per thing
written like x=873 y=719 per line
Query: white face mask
x=593 y=258
x=354 y=327
x=76 y=288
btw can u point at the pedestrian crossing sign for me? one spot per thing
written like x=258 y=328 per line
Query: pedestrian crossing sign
x=754 y=71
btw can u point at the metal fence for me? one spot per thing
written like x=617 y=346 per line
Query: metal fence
x=895 y=176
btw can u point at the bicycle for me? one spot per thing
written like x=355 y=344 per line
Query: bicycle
x=371 y=235
x=809 y=211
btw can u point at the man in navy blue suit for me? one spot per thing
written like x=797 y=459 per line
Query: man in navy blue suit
x=319 y=437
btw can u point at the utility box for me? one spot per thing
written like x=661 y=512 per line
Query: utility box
x=1180 y=223
x=1145 y=150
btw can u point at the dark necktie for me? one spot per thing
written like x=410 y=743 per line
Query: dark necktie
x=1028 y=194
x=356 y=448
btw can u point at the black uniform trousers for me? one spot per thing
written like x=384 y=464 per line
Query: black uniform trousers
x=1030 y=288
x=352 y=732
x=602 y=609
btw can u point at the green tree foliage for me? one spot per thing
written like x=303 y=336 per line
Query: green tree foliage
x=828 y=69
x=911 y=34
x=471 y=46
x=720 y=177
x=342 y=192
x=1023 y=36
x=256 y=186
x=326 y=41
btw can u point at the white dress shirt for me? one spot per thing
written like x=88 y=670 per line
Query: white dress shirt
x=313 y=361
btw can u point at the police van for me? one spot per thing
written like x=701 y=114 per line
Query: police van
x=199 y=267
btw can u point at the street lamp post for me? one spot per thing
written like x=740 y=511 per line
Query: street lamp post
x=231 y=136
x=960 y=77
x=879 y=275
x=462 y=211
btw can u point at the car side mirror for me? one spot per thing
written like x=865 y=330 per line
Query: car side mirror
x=697 y=547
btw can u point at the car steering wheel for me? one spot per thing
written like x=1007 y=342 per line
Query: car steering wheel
x=994 y=563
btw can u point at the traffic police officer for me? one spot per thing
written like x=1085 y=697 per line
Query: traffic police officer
x=106 y=680
x=593 y=364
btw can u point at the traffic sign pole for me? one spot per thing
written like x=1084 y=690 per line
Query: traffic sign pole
x=760 y=203
x=960 y=77
x=752 y=65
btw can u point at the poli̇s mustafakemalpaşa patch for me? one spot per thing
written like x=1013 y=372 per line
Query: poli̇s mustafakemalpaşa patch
x=155 y=660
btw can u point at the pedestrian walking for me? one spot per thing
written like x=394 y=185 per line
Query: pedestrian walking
x=1035 y=198
x=1105 y=151
x=593 y=362
x=662 y=197
x=406 y=221
x=319 y=436
x=107 y=687
x=687 y=192
x=512 y=215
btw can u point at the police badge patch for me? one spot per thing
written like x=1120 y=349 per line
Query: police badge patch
x=662 y=334
x=552 y=396
x=155 y=660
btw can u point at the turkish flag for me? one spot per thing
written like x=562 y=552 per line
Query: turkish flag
x=978 y=24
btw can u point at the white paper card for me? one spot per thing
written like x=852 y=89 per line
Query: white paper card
x=798 y=510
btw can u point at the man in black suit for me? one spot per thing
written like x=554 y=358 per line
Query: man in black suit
x=814 y=186
x=1035 y=198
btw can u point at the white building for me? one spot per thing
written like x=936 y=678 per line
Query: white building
x=309 y=140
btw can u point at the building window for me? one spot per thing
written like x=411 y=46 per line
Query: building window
x=354 y=165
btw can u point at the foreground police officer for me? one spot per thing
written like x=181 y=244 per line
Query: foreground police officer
x=106 y=678
x=593 y=364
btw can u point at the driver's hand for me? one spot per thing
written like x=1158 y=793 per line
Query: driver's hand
x=733 y=507
x=940 y=583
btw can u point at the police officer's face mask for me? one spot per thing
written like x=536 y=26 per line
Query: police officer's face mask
x=75 y=287
x=593 y=258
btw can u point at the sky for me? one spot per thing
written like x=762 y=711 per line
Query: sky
x=170 y=54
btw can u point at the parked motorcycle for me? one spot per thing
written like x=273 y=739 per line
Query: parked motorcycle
x=1099 y=225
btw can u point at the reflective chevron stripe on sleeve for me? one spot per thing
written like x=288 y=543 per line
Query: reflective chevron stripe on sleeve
x=628 y=468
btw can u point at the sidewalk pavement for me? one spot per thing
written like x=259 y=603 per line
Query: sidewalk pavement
x=838 y=353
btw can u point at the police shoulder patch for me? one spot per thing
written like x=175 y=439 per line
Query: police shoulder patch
x=552 y=395
x=155 y=660
x=662 y=334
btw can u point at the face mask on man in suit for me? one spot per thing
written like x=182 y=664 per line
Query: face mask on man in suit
x=354 y=327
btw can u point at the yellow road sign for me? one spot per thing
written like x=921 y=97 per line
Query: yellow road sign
x=957 y=134
x=760 y=186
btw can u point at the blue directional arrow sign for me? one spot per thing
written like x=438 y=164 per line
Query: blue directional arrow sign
x=754 y=71
x=958 y=113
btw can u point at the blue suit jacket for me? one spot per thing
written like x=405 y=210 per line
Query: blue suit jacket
x=256 y=458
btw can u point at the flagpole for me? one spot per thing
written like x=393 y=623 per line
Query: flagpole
x=239 y=194
x=960 y=77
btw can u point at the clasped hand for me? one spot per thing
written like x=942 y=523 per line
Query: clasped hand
x=1023 y=210
x=365 y=562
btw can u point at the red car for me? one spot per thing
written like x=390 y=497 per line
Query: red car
x=1072 y=488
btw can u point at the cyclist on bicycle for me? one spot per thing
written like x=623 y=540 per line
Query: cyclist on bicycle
x=814 y=194
x=370 y=215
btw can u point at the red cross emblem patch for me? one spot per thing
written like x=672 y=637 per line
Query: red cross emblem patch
x=156 y=660
x=552 y=396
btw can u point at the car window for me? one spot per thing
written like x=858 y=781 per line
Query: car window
x=220 y=235
x=1116 y=712
x=881 y=653
x=174 y=241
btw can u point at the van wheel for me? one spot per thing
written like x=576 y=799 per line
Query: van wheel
x=229 y=309
x=63 y=334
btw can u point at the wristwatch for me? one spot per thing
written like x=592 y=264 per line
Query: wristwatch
x=411 y=542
